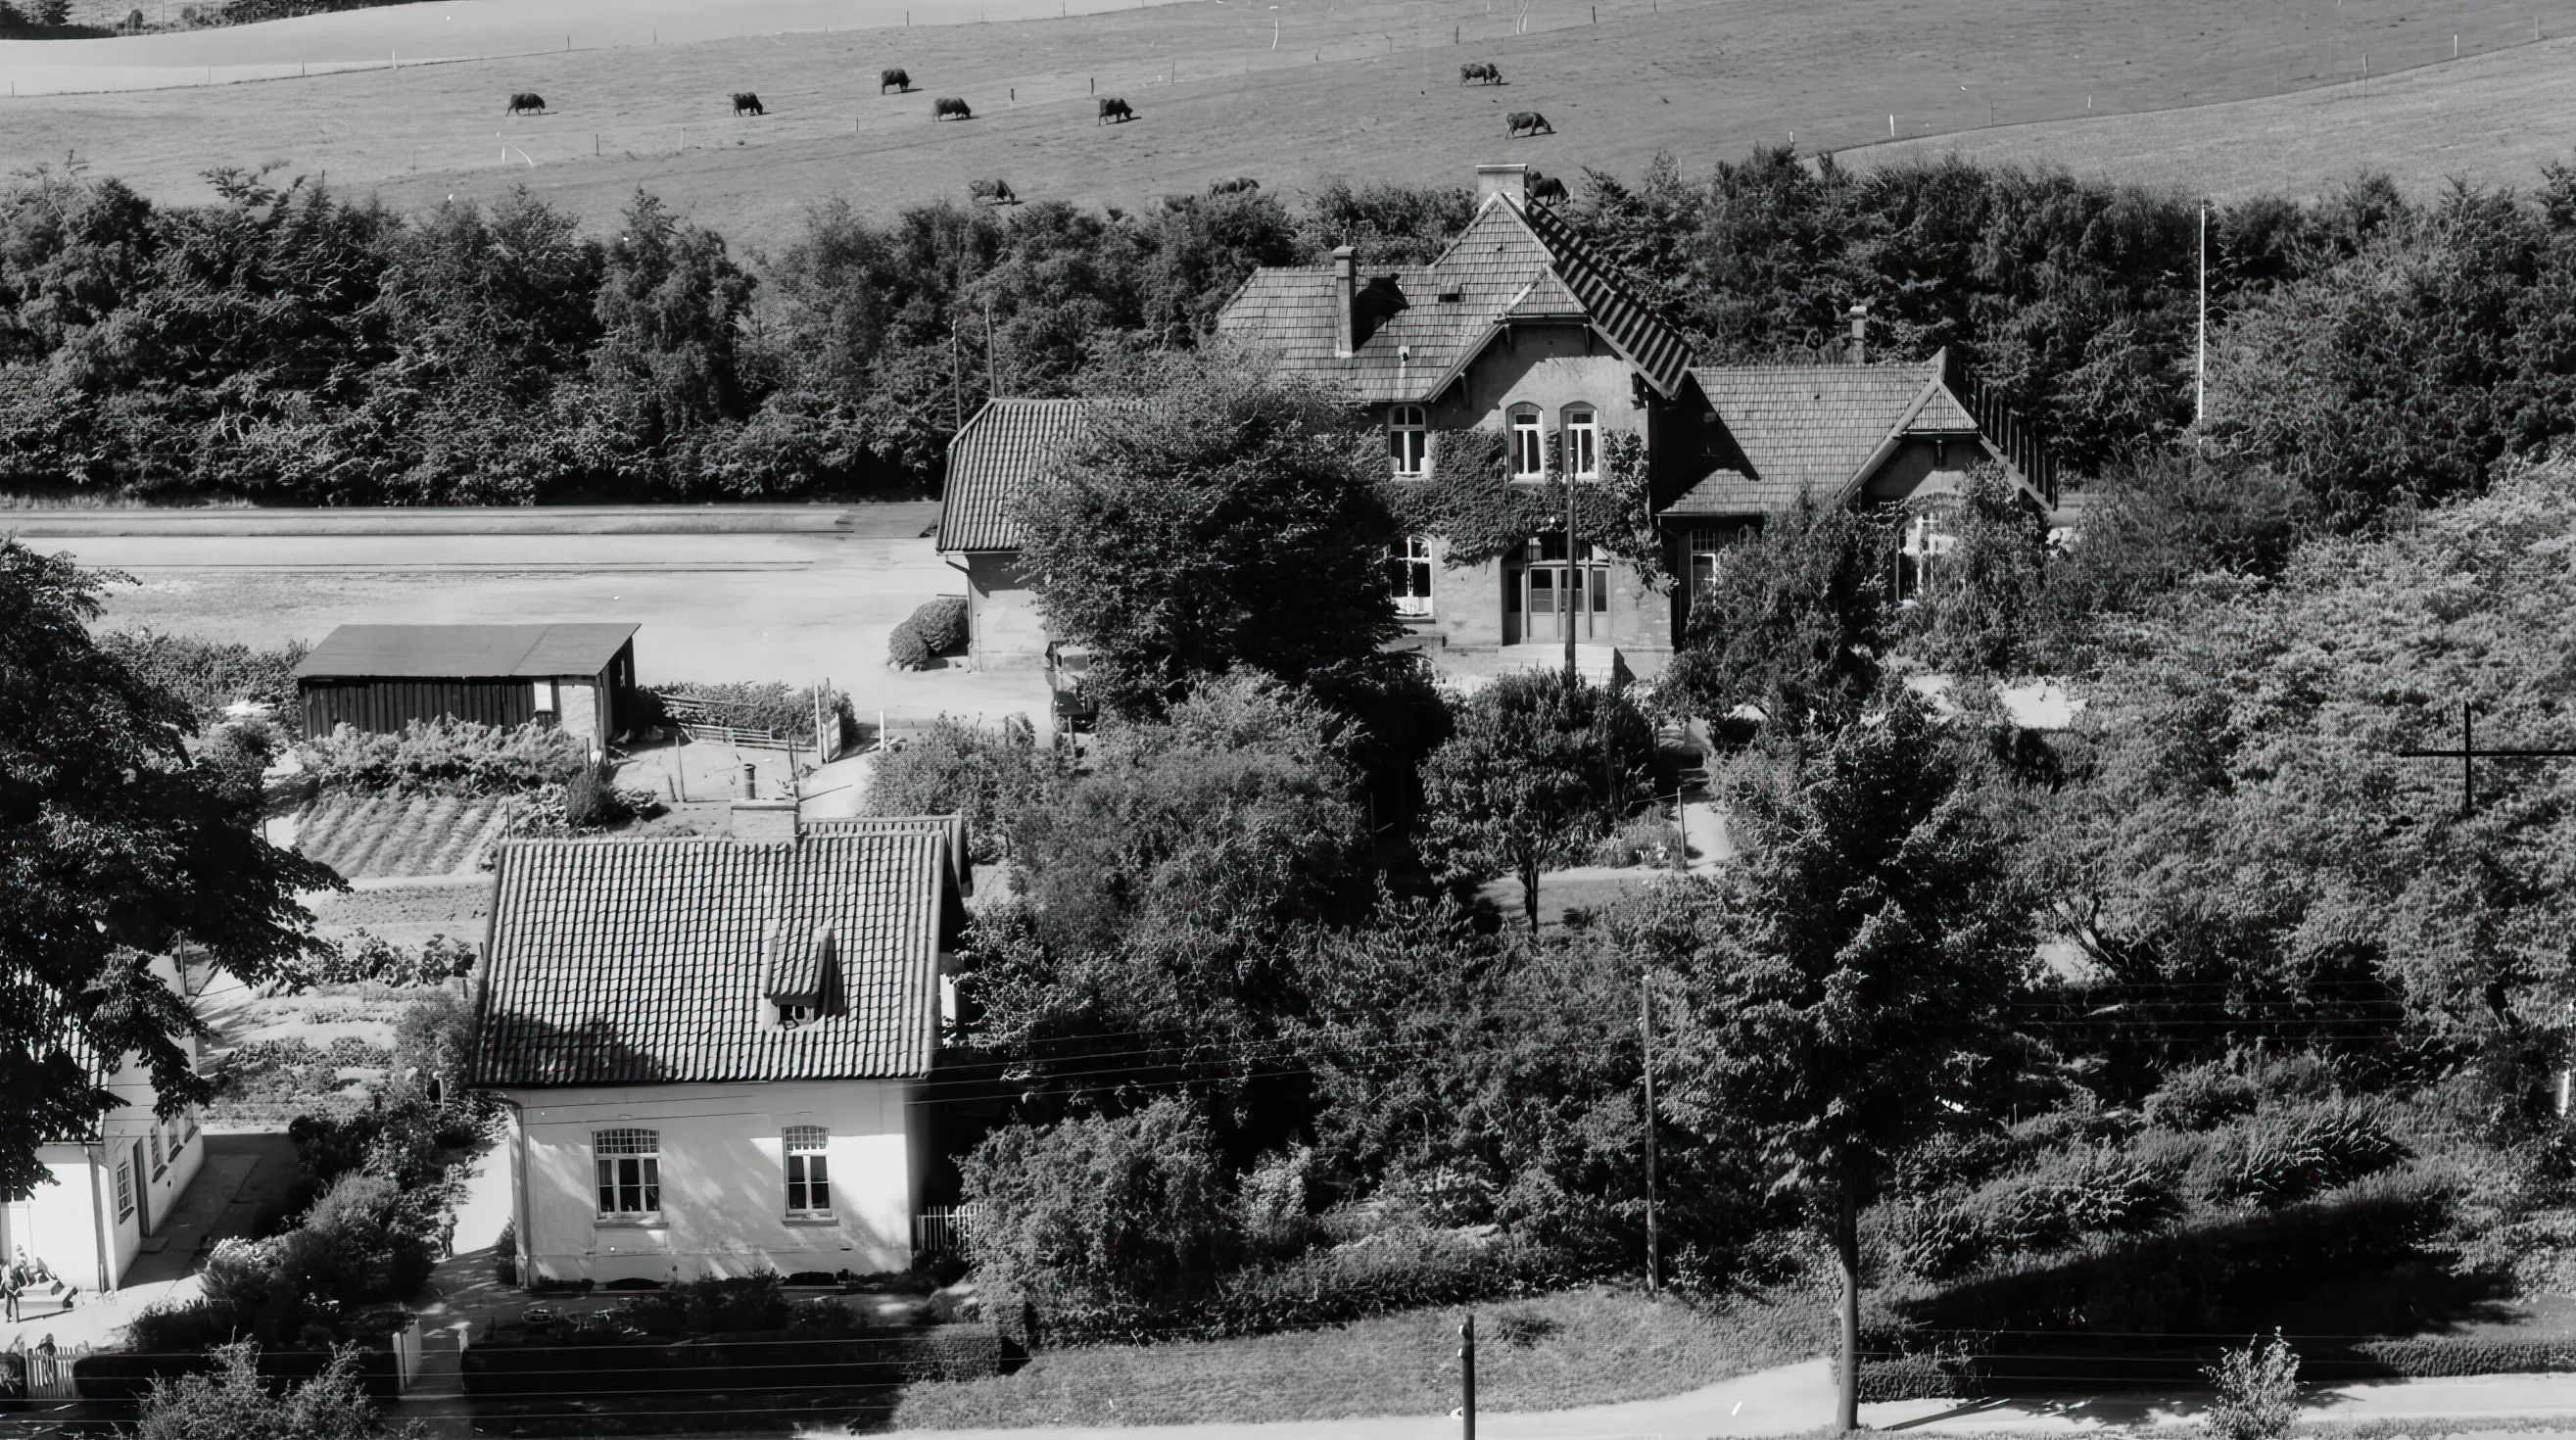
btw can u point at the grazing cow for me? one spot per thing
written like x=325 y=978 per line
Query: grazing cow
x=1545 y=187
x=893 y=78
x=1239 y=185
x=1485 y=71
x=949 y=107
x=992 y=192
x=527 y=100
x=746 y=102
x=1529 y=122
x=1114 y=108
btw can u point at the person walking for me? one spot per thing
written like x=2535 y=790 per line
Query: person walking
x=9 y=1293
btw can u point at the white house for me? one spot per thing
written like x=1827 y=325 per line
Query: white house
x=714 y=1049
x=108 y=1191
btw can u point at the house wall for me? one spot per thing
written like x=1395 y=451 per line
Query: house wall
x=63 y=1220
x=1924 y=465
x=382 y=706
x=1004 y=628
x=723 y=1176
x=1549 y=367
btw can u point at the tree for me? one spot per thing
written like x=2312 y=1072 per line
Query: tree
x=234 y=1403
x=1537 y=770
x=1986 y=603
x=1104 y=1211
x=115 y=846
x=1794 y=623
x=1844 y=985
x=1231 y=520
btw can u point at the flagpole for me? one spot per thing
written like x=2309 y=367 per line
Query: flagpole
x=2200 y=361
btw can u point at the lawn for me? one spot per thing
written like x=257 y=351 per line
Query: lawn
x=1366 y=89
x=1578 y=1347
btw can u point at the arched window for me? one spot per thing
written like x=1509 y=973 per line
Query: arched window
x=1529 y=451
x=1408 y=440
x=1582 y=442
x=809 y=1180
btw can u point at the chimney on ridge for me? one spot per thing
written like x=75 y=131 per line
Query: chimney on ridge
x=764 y=819
x=1511 y=181
x=1860 y=333
x=1345 y=301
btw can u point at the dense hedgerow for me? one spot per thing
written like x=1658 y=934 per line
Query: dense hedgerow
x=446 y=756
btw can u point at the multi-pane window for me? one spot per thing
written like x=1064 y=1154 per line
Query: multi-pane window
x=1582 y=442
x=629 y=1166
x=1529 y=449
x=1408 y=568
x=1704 y=548
x=1408 y=440
x=187 y=1125
x=124 y=1190
x=158 y=1164
x=809 y=1180
x=1927 y=538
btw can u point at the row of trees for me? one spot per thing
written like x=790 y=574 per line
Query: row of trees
x=286 y=343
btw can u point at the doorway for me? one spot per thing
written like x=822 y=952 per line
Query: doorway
x=1554 y=596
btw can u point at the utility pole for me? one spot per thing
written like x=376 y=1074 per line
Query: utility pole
x=1646 y=1029
x=2200 y=360
x=1466 y=1372
x=992 y=355
x=956 y=383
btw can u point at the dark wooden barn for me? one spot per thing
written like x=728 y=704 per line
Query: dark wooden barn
x=379 y=677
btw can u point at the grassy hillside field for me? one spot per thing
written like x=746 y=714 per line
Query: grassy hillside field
x=1703 y=78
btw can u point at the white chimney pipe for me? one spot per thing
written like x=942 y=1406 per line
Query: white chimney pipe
x=1345 y=299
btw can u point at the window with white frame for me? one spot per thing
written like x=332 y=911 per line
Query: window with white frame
x=187 y=1125
x=1582 y=442
x=1529 y=447
x=809 y=1179
x=1408 y=440
x=629 y=1164
x=1926 y=539
x=124 y=1190
x=159 y=1165
x=1408 y=567
x=1705 y=545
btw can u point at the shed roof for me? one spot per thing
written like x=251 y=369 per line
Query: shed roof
x=622 y=962
x=1513 y=263
x=463 y=651
x=1001 y=452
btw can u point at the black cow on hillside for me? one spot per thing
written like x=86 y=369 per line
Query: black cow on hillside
x=1114 y=108
x=527 y=100
x=992 y=192
x=950 y=107
x=1528 y=122
x=746 y=102
x=1239 y=185
x=893 y=78
x=1485 y=71
x=1546 y=188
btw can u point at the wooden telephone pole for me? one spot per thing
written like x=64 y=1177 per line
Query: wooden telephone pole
x=1569 y=596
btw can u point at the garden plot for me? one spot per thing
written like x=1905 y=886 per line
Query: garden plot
x=367 y=837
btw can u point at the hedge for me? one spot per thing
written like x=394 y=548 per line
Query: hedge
x=613 y=1363
x=128 y=1375
x=2436 y=1357
x=1912 y=1377
x=937 y=628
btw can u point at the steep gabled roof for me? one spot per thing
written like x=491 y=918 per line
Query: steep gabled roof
x=1816 y=429
x=1511 y=263
x=483 y=652
x=1008 y=445
x=638 y=962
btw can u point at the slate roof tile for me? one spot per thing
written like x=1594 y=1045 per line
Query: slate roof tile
x=642 y=961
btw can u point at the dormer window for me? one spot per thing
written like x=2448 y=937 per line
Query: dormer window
x=1582 y=442
x=1529 y=450
x=801 y=977
x=1408 y=440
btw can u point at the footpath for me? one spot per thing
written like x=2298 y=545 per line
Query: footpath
x=1797 y=1399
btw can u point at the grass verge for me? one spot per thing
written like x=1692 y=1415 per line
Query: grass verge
x=1578 y=1347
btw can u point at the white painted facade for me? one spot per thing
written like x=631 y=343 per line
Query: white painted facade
x=722 y=1171
x=105 y=1197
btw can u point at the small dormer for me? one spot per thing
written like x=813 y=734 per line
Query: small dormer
x=800 y=977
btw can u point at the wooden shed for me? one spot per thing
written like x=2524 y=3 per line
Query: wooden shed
x=380 y=677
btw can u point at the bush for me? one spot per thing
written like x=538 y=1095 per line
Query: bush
x=760 y=705
x=280 y=1071
x=2257 y=1391
x=210 y=675
x=446 y=756
x=505 y=1254
x=237 y=1400
x=1103 y=1212
x=953 y=767
x=937 y=628
x=2287 y=1153
x=2070 y=1194
x=2434 y=1357
x=1909 y=1377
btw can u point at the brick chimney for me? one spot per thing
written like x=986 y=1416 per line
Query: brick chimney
x=764 y=819
x=1506 y=180
x=1345 y=301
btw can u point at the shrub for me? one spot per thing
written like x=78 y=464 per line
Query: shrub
x=761 y=705
x=2257 y=1391
x=210 y=675
x=2090 y=1190
x=2289 y=1152
x=1103 y=1211
x=505 y=1254
x=2433 y=1357
x=368 y=1238
x=236 y=1401
x=937 y=628
x=446 y=756
x=2201 y=1097
x=277 y=1071
x=953 y=767
x=1908 y=1377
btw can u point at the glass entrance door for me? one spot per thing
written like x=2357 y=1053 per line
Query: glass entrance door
x=1557 y=596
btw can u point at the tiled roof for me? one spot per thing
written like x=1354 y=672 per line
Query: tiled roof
x=1812 y=429
x=1007 y=445
x=643 y=961
x=1510 y=263
x=464 y=651
x=951 y=826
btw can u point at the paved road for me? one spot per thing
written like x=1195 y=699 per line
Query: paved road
x=749 y=593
